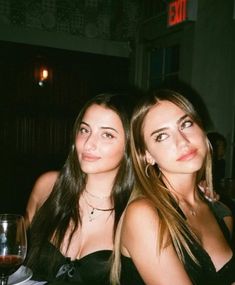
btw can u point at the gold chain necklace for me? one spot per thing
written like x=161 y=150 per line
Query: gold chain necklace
x=191 y=210
x=91 y=213
x=95 y=196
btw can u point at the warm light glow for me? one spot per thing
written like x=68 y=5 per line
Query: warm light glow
x=44 y=74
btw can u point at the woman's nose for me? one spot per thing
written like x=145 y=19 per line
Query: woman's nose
x=182 y=139
x=91 y=142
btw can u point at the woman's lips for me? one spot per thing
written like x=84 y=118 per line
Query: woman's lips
x=189 y=155
x=89 y=157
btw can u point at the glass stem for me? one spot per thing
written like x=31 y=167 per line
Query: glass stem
x=3 y=280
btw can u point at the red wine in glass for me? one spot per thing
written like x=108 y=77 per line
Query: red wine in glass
x=9 y=264
x=13 y=245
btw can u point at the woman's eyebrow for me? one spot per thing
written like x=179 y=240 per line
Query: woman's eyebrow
x=109 y=128
x=165 y=128
x=103 y=128
x=84 y=123
x=181 y=119
x=158 y=130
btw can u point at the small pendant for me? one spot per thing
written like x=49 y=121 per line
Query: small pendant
x=193 y=213
x=91 y=218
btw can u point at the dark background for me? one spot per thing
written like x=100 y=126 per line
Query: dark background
x=36 y=122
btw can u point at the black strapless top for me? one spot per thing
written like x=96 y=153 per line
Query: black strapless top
x=91 y=269
x=205 y=274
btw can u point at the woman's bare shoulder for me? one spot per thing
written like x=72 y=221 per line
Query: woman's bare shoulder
x=47 y=179
x=44 y=185
x=140 y=204
x=40 y=192
x=140 y=211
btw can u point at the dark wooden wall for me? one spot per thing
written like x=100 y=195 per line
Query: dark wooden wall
x=36 y=122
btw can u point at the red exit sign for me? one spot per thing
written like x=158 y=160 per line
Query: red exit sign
x=180 y=11
x=177 y=12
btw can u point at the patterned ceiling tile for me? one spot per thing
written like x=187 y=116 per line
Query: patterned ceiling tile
x=104 y=19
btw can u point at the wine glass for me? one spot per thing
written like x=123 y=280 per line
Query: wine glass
x=13 y=244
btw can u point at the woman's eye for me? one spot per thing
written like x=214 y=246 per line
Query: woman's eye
x=186 y=124
x=83 y=130
x=108 y=135
x=161 y=137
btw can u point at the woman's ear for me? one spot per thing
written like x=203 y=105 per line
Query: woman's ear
x=149 y=158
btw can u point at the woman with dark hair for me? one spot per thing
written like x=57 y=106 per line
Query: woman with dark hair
x=169 y=233
x=73 y=213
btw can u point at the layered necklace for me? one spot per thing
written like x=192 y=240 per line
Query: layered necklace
x=192 y=210
x=96 y=196
x=92 y=210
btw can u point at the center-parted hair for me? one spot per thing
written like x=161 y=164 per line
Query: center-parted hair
x=61 y=208
x=152 y=186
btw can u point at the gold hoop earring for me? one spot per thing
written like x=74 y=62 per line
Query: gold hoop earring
x=146 y=170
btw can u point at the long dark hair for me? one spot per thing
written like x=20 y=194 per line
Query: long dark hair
x=61 y=208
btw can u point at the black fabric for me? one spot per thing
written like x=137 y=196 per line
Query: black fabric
x=203 y=274
x=90 y=269
x=129 y=273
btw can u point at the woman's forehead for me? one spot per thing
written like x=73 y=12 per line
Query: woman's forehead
x=102 y=116
x=163 y=112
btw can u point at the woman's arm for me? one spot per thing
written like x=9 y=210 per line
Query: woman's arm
x=139 y=241
x=41 y=190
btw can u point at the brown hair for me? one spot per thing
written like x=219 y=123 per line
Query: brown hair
x=171 y=220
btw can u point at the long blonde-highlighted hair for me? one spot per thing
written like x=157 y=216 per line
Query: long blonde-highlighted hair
x=152 y=186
